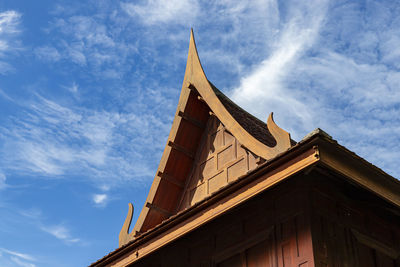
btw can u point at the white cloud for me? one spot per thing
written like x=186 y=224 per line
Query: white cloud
x=2 y=181
x=22 y=263
x=48 y=53
x=330 y=71
x=164 y=11
x=9 y=29
x=18 y=254
x=33 y=213
x=100 y=199
x=5 y=96
x=359 y=104
x=53 y=141
x=60 y=232
x=264 y=89
x=74 y=88
x=90 y=42
x=9 y=25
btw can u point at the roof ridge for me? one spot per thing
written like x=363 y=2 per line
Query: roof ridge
x=220 y=93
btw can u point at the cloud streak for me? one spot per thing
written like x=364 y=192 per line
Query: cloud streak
x=266 y=84
x=9 y=31
x=18 y=254
x=343 y=79
x=3 y=184
x=21 y=259
x=53 y=140
x=100 y=199
x=60 y=232
x=164 y=11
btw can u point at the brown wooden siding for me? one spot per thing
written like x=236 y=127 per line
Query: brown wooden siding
x=310 y=220
x=220 y=159
x=353 y=228
x=270 y=230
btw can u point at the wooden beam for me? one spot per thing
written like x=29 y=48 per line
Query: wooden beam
x=373 y=243
x=192 y=120
x=158 y=209
x=201 y=99
x=171 y=179
x=180 y=148
x=244 y=193
x=361 y=172
x=191 y=87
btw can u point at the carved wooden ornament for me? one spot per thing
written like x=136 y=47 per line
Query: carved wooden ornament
x=199 y=100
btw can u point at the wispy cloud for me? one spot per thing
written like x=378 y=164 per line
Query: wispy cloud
x=36 y=218
x=100 y=199
x=18 y=254
x=48 y=53
x=9 y=30
x=60 y=232
x=53 y=140
x=2 y=181
x=21 y=259
x=164 y=11
x=22 y=263
x=332 y=70
x=266 y=84
x=95 y=43
x=6 y=96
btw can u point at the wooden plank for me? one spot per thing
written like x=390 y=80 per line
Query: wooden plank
x=230 y=201
x=180 y=148
x=171 y=179
x=192 y=120
x=158 y=209
x=375 y=244
x=360 y=172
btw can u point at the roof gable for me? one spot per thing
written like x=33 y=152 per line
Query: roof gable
x=201 y=106
x=220 y=160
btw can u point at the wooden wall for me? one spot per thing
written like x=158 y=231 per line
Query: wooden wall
x=309 y=220
x=352 y=227
x=270 y=230
x=220 y=160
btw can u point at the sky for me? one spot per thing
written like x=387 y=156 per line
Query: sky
x=88 y=91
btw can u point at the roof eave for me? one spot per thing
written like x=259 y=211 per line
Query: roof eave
x=317 y=148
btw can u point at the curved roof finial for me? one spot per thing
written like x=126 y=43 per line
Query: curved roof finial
x=195 y=76
x=124 y=235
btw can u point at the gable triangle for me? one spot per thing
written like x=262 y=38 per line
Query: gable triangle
x=220 y=159
x=184 y=176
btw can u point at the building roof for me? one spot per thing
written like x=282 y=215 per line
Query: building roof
x=198 y=101
x=316 y=150
x=162 y=220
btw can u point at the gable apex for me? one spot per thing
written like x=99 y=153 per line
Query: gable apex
x=200 y=102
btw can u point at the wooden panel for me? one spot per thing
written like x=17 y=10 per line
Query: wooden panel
x=234 y=261
x=259 y=255
x=228 y=137
x=207 y=168
x=294 y=234
x=252 y=234
x=198 y=193
x=217 y=140
x=216 y=182
x=225 y=156
x=219 y=160
x=236 y=169
x=348 y=232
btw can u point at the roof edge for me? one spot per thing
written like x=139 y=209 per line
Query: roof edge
x=195 y=77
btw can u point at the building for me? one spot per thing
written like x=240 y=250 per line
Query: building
x=231 y=190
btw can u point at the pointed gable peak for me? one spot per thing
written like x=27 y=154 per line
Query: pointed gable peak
x=265 y=140
x=194 y=70
x=202 y=106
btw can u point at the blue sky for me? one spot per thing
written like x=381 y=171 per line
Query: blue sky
x=88 y=90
